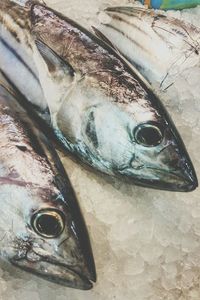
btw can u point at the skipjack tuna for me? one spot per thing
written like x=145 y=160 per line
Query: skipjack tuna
x=170 y=4
x=44 y=231
x=99 y=106
x=161 y=47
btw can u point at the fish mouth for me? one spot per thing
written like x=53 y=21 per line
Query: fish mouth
x=57 y=272
x=183 y=180
x=176 y=181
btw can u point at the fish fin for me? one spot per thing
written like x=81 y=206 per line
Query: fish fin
x=102 y=37
x=56 y=65
x=59 y=78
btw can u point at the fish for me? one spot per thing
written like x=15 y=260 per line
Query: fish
x=161 y=47
x=42 y=228
x=99 y=107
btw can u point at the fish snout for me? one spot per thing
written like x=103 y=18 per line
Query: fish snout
x=54 y=268
x=167 y=168
x=180 y=168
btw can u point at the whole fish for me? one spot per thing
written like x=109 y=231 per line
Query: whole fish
x=42 y=230
x=161 y=47
x=99 y=107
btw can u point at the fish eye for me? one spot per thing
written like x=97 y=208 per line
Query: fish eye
x=148 y=134
x=48 y=223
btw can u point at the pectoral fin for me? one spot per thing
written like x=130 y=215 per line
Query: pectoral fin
x=57 y=67
x=57 y=78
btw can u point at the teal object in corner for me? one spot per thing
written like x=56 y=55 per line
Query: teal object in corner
x=170 y=4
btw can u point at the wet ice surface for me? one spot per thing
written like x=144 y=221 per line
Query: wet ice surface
x=146 y=243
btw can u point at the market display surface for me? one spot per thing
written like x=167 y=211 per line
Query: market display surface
x=145 y=242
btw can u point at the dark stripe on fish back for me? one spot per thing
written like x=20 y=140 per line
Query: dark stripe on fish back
x=126 y=36
x=127 y=11
x=12 y=50
x=120 y=19
x=29 y=106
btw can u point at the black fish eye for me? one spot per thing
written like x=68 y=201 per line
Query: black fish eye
x=148 y=134
x=48 y=223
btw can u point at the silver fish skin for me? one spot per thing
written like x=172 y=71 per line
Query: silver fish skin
x=159 y=46
x=100 y=108
x=44 y=232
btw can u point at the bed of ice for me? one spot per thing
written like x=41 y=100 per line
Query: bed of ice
x=146 y=243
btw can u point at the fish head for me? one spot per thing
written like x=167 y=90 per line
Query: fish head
x=127 y=134
x=41 y=226
x=44 y=240
x=140 y=142
x=160 y=158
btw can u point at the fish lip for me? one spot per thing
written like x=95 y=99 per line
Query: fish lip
x=91 y=273
x=84 y=283
x=190 y=181
x=87 y=282
x=186 y=183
